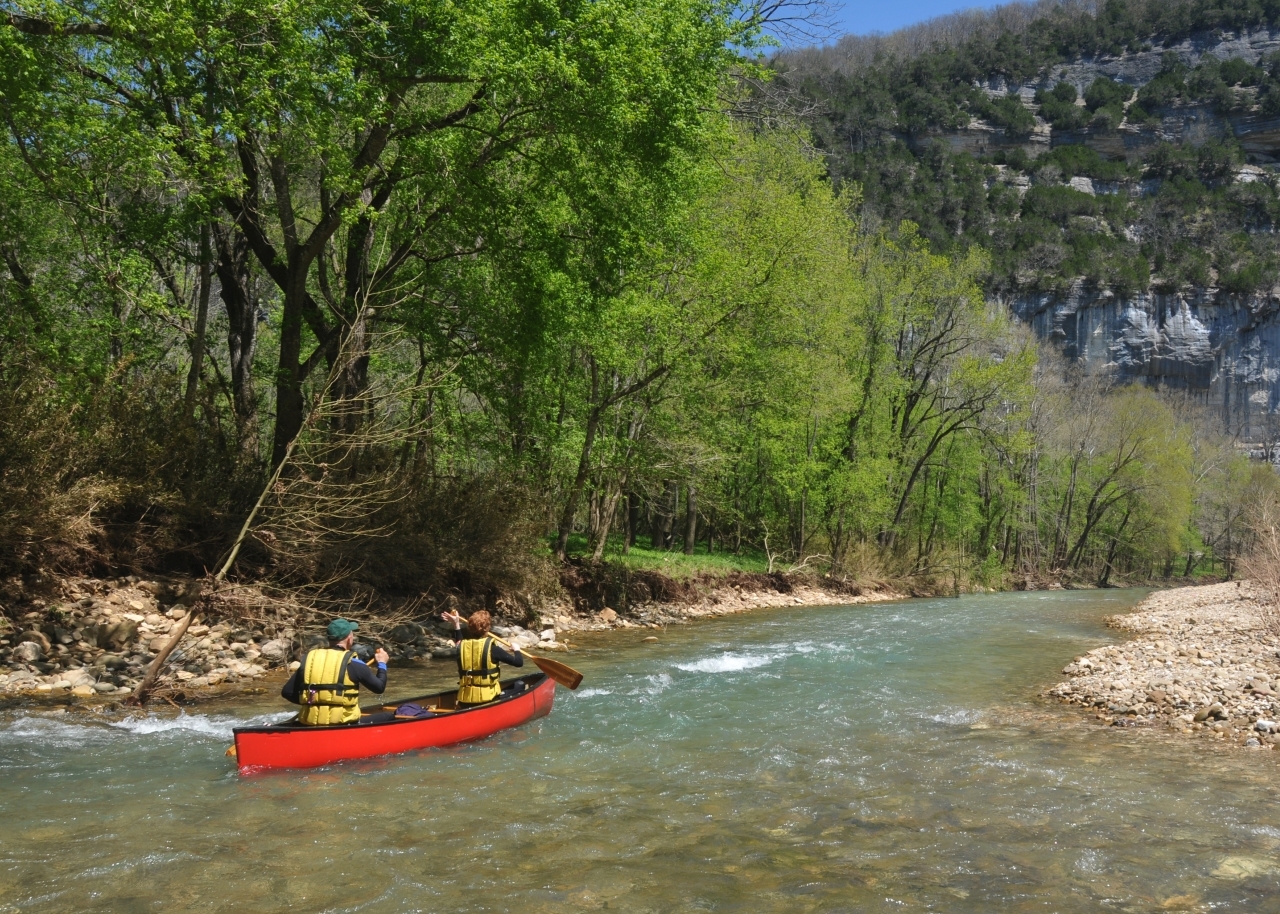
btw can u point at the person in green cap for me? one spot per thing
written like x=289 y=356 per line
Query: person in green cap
x=327 y=683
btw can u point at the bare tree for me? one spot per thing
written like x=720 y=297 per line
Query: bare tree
x=1261 y=564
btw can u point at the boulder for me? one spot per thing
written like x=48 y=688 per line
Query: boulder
x=112 y=661
x=406 y=633
x=276 y=650
x=114 y=635
x=28 y=652
x=607 y=615
x=80 y=678
x=39 y=638
x=83 y=691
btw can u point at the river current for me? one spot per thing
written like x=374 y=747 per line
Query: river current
x=889 y=757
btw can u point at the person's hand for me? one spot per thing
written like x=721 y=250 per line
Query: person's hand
x=454 y=617
x=381 y=656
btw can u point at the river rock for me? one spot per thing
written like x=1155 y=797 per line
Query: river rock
x=39 y=638
x=104 y=687
x=116 y=635
x=276 y=650
x=83 y=691
x=406 y=633
x=650 y=639
x=1244 y=868
x=28 y=652
x=607 y=615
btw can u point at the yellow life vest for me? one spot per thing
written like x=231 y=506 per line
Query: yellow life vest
x=327 y=693
x=478 y=682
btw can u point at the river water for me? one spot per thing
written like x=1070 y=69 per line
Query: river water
x=881 y=757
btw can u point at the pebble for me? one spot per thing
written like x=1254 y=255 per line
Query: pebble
x=1202 y=663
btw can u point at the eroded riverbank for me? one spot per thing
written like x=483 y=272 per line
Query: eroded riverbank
x=88 y=641
x=1203 y=664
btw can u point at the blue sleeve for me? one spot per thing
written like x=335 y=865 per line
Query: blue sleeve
x=361 y=675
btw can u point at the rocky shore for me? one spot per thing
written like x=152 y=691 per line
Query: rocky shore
x=95 y=639
x=91 y=640
x=1203 y=664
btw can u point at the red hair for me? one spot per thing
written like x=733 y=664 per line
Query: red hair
x=478 y=624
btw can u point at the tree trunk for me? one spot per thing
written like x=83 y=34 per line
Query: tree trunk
x=579 y=483
x=691 y=521
x=232 y=266
x=202 y=321
x=633 y=522
x=608 y=510
x=289 y=370
x=667 y=514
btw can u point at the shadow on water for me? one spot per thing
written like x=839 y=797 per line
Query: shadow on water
x=882 y=757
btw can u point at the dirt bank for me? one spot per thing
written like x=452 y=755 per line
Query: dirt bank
x=89 y=641
x=671 y=602
x=1203 y=664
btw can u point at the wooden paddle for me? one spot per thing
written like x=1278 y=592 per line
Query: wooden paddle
x=562 y=673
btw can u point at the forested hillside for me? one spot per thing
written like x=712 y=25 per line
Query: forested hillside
x=978 y=128
x=1118 y=160
x=459 y=293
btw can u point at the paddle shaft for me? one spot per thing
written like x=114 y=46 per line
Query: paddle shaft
x=562 y=673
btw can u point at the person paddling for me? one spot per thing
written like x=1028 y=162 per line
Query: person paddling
x=478 y=658
x=327 y=683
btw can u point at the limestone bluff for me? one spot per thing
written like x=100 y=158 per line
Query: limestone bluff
x=1207 y=332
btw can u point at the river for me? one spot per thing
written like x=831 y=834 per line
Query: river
x=889 y=757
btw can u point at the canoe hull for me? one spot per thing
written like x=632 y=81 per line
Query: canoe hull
x=285 y=746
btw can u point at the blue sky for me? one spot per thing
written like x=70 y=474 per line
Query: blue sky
x=864 y=16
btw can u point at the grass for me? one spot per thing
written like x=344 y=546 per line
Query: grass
x=674 y=563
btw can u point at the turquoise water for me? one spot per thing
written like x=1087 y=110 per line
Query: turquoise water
x=876 y=758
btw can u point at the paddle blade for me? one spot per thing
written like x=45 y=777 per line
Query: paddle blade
x=562 y=673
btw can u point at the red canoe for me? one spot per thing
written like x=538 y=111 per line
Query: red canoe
x=291 y=746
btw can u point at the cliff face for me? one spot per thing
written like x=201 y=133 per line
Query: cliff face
x=1129 y=199
x=1195 y=124
x=1223 y=349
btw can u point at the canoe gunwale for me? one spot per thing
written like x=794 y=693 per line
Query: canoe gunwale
x=533 y=679
x=290 y=745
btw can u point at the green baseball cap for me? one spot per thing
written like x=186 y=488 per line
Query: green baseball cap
x=340 y=628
